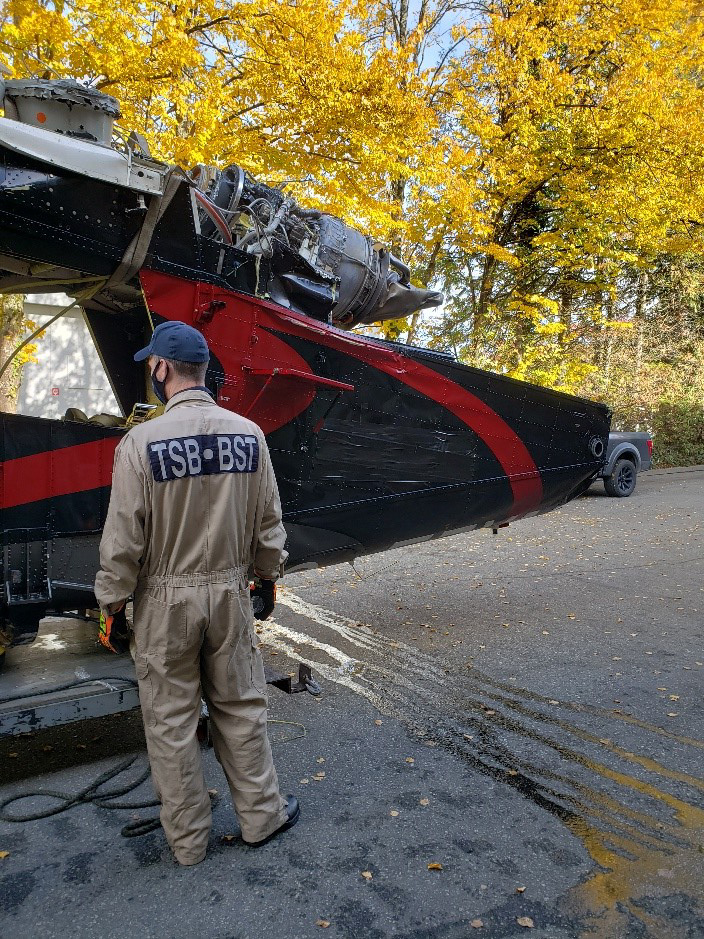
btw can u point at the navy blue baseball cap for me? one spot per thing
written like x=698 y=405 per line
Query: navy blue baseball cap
x=176 y=340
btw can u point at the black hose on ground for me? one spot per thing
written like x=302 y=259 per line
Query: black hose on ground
x=90 y=794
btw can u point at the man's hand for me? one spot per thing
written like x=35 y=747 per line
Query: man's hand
x=263 y=594
x=114 y=630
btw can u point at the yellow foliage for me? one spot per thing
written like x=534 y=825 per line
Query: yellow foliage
x=524 y=154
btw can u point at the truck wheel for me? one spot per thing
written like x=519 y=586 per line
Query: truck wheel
x=622 y=481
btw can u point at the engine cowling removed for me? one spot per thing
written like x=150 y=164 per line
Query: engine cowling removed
x=316 y=264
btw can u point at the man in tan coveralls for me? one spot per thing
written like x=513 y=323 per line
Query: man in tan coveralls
x=194 y=508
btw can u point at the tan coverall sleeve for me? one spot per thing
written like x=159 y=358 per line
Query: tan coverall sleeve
x=269 y=533
x=122 y=544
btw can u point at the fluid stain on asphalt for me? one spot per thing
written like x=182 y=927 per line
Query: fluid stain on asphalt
x=646 y=841
x=14 y=890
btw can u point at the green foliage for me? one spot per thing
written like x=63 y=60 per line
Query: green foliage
x=678 y=431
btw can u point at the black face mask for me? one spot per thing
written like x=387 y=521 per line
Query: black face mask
x=158 y=386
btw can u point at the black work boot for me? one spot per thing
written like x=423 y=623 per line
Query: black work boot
x=293 y=812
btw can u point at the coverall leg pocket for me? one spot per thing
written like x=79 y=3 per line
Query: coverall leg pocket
x=146 y=690
x=245 y=668
x=258 y=676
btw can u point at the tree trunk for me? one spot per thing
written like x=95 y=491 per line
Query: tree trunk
x=482 y=307
x=566 y=302
x=640 y=326
x=608 y=335
x=12 y=325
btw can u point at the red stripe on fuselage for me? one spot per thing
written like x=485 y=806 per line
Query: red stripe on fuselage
x=508 y=448
x=62 y=472
x=500 y=438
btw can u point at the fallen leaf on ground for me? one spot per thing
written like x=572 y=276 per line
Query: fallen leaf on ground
x=4 y=854
x=409 y=759
x=305 y=781
x=476 y=924
x=553 y=701
x=468 y=736
x=318 y=776
x=425 y=801
x=321 y=759
x=525 y=921
x=512 y=772
x=212 y=792
x=571 y=615
x=229 y=837
x=520 y=889
x=672 y=713
x=12 y=756
x=434 y=866
x=378 y=723
x=367 y=875
x=323 y=923
x=393 y=813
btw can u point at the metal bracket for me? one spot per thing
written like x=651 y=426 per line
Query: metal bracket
x=206 y=306
x=305 y=682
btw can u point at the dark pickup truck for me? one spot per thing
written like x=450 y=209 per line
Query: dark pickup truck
x=627 y=454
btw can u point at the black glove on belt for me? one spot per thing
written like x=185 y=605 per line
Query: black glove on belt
x=263 y=594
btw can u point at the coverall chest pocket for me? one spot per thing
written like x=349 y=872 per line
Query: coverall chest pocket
x=161 y=627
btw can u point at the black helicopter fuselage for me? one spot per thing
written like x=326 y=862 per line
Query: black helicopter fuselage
x=374 y=444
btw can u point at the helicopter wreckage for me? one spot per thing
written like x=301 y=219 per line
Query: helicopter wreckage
x=375 y=444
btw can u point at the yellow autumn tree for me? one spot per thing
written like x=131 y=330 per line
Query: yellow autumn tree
x=288 y=91
x=526 y=154
x=583 y=125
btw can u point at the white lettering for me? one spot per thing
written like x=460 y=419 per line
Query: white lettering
x=251 y=443
x=227 y=460
x=178 y=464
x=193 y=456
x=159 y=448
x=240 y=457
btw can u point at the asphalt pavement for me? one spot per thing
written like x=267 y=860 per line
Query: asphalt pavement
x=510 y=742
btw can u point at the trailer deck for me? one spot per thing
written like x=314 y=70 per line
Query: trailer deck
x=65 y=653
x=65 y=675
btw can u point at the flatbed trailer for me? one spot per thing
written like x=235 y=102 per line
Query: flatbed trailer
x=65 y=675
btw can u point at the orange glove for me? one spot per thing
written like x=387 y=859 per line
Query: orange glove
x=114 y=630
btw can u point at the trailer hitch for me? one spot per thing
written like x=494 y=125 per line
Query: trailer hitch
x=305 y=682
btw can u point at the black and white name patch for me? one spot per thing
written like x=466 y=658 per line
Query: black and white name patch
x=203 y=455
